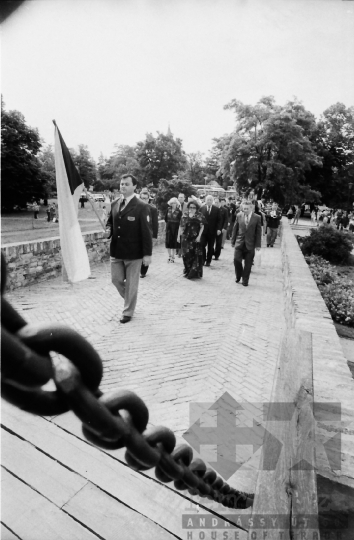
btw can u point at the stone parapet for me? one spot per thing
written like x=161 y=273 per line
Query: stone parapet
x=39 y=260
x=305 y=309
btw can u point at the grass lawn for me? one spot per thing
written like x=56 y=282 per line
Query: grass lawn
x=22 y=227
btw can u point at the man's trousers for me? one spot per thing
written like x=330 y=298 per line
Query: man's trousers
x=243 y=272
x=125 y=277
x=208 y=247
x=218 y=244
x=271 y=236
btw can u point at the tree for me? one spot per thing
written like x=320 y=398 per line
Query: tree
x=47 y=163
x=271 y=149
x=22 y=178
x=194 y=170
x=85 y=165
x=334 y=143
x=171 y=188
x=160 y=157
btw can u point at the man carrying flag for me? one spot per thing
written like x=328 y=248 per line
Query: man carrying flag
x=69 y=189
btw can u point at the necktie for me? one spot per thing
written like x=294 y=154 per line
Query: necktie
x=246 y=220
x=209 y=209
x=122 y=205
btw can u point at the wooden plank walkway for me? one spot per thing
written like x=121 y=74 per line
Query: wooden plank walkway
x=59 y=486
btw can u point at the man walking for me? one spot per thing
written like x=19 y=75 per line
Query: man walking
x=128 y=226
x=212 y=229
x=273 y=219
x=224 y=216
x=246 y=237
x=153 y=223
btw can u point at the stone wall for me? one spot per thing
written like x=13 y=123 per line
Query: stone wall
x=305 y=309
x=39 y=260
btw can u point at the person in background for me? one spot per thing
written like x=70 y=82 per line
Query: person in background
x=172 y=218
x=290 y=214
x=82 y=201
x=183 y=208
x=104 y=215
x=351 y=222
x=273 y=220
x=223 y=224
x=36 y=210
x=153 y=224
x=224 y=211
x=232 y=217
x=48 y=214
x=313 y=217
x=344 y=221
x=190 y=232
x=212 y=229
x=297 y=214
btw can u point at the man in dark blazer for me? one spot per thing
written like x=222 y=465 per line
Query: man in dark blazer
x=212 y=228
x=246 y=237
x=128 y=226
x=224 y=215
x=154 y=225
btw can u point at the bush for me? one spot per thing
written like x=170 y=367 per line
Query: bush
x=337 y=291
x=333 y=245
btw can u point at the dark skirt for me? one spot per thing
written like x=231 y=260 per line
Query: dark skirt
x=171 y=235
x=192 y=259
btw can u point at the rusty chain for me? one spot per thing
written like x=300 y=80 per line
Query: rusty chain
x=112 y=420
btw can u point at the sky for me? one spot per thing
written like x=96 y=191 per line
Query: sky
x=110 y=71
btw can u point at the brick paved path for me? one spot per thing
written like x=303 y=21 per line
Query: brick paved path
x=189 y=341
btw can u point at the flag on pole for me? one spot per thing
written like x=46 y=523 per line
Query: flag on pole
x=69 y=189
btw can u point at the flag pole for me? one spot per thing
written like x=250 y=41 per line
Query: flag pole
x=94 y=208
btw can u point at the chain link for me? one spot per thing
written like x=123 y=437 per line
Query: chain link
x=112 y=420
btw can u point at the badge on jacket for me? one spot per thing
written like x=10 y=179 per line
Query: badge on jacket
x=130 y=218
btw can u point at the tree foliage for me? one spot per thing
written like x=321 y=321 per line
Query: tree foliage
x=22 y=178
x=171 y=188
x=85 y=165
x=334 y=143
x=271 y=149
x=160 y=157
x=47 y=163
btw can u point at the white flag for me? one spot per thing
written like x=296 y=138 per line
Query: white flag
x=69 y=189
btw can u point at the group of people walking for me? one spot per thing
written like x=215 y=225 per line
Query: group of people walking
x=194 y=231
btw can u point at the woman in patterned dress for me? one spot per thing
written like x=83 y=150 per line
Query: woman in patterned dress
x=191 y=229
x=172 y=218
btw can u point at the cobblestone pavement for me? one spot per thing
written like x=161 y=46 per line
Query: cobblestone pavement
x=189 y=341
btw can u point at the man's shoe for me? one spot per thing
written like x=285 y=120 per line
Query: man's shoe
x=267 y=245
x=245 y=284
x=237 y=280
x=207 y=264
x=125 y=319
x=271 y=245
x=216 y=258
x=142 y=275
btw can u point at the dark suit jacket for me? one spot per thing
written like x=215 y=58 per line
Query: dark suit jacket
x=154 y=220
x=213 y=220
x=250 y=237
x=224 y=216
x=131 y=236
